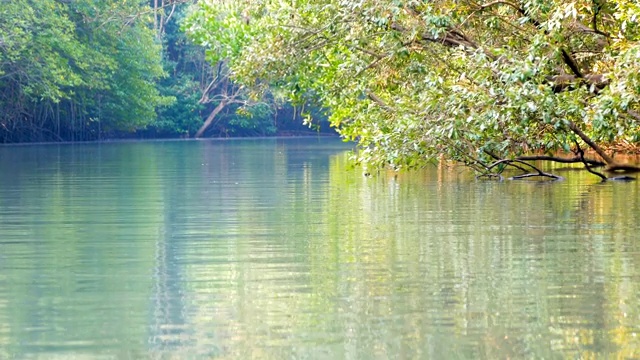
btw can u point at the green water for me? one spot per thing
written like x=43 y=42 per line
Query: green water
x=276 y=249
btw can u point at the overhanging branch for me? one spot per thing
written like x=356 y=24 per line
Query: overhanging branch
x=608 y=159
x=376 y=99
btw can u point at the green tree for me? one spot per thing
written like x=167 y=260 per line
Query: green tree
x=75 y=70
x=187 y=73
x=207 y=102
x=473 y=81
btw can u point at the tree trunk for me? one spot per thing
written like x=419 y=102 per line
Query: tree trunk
x=155 y=16
x=211 y=117
x=607 y=159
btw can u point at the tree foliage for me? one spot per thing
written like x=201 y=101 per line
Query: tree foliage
x=207 y=102
x=75 y=69
x=471 y=80
x=88 y=69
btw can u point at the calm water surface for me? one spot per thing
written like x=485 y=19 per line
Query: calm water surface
x=276 y=249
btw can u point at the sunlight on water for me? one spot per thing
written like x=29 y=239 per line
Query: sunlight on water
x=278 y=249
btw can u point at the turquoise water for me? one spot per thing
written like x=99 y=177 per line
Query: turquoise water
x=277 y=248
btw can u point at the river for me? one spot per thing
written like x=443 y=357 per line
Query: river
x=279 y=248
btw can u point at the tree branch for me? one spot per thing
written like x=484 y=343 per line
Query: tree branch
x=502 y=2
x=451 y=38
x=537 y=172
x=221 y=105
x=608 y=159
x=594 y=20
x=497 y=158
x=571 y=62
x=378 y=101
x=567 y=58
x=586 y=165
x=522 y=12
x=369 y=52
x=634 y=114
x=572 y=160
x=541 y=174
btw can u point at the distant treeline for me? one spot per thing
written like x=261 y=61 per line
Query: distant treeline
x=94 y=69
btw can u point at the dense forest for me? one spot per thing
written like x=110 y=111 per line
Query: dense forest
x=89 y=70
x=491 y=84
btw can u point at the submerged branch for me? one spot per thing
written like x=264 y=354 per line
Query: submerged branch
x=490 y=175
x=537 y=172
x=541 y=174
x=572 y=160
x=623 y=168
x=510 y=162
x=586 y=165
x=496 y=157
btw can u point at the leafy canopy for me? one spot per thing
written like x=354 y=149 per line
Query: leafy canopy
x=70 y=69
x=413 y=80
